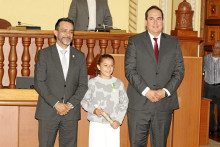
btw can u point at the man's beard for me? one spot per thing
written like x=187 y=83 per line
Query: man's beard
x=65 y=42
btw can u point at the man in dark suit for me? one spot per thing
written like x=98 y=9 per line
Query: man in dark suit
x=154 y=68
x=88 y=16
x=61 y=82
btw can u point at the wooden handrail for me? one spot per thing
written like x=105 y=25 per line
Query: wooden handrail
x=19 y=49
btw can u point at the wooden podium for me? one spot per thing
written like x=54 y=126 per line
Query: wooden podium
x=19 y=127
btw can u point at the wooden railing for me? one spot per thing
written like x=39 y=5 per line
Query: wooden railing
x=19 y=49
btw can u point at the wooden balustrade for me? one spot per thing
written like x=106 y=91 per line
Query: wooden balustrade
x=19 y=50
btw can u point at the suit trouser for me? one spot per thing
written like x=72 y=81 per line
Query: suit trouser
x=47 y=132
x=142 y=123
x=213 y=92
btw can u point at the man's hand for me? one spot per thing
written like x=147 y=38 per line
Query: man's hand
x=160 y=94
x=98 y=111
x=62 y=109
x=115 y=124
x=155 y=95
x=152 y=95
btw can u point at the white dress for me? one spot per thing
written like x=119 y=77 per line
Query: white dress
x=103 y=135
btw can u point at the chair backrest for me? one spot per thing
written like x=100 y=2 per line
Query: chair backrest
x=4 y=24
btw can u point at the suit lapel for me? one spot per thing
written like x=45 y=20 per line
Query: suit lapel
x=148 y=47
x=57 y=62
x=98 y=4
x=85 y=5
x=71 y=63
x=162 y=47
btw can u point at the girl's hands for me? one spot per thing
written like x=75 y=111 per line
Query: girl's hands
x=98 y=111
x=115 y=124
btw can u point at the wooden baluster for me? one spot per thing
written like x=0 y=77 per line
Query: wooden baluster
x=115 y=46
x=103 y=45
x=78 y=43
x=125 y=44
x=51 y=41
x=25 y=71
x=39 y=43
x=90 y=56
x=12 y=71
x=2 y=41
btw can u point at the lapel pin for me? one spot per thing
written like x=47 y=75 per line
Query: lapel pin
x=73 y=56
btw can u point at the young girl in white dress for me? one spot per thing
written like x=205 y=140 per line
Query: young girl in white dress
x=106 y=96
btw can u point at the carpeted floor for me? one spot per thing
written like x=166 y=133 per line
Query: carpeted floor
x=213 y=143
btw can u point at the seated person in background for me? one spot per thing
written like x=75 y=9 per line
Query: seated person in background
x=88 y=14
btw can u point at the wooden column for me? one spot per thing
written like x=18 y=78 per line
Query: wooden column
x=103 y=45
x=51 y=41
x=2 y=41
x=115 y=46
x=125 y=44
x=12 y=71
x=26 y=57
x=39 y=43
x=90 y=56
x=78 y=43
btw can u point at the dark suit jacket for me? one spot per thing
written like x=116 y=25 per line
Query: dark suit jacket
x=51 y=86
x=142 y=71
x=79 y=14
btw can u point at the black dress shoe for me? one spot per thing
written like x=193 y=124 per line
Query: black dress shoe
x=211 y=133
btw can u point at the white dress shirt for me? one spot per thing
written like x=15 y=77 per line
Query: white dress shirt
x=92 y=14
x=67 y=55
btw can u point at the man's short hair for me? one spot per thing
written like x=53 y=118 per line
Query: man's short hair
x=62 y=19
x=153 y=7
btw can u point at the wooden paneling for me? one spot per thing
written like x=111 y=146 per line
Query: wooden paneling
x=211 y=25
x=26 y=129
x=204 y=122
x=187 y=118
x=9 y=126
x=189 y=42
x=213 y=9
x=18 y=94
x=213 y=33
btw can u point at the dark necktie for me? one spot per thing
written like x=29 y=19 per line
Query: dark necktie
x=156 y=51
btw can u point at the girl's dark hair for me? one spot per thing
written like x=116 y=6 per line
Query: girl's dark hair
x=101 y=57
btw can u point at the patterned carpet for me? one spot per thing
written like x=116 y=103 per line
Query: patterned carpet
x=213 y=143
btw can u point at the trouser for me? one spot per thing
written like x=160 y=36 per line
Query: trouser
x=142 y=123
x=47 y=132
x=213 y=92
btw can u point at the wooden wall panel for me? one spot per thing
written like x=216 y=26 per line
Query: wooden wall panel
x=83 y=130
x=187 y=118
x=213 y=9
x=204 y=122
x=9 y=126
x=213 y=33
x=120 y=74
x=28 y=127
